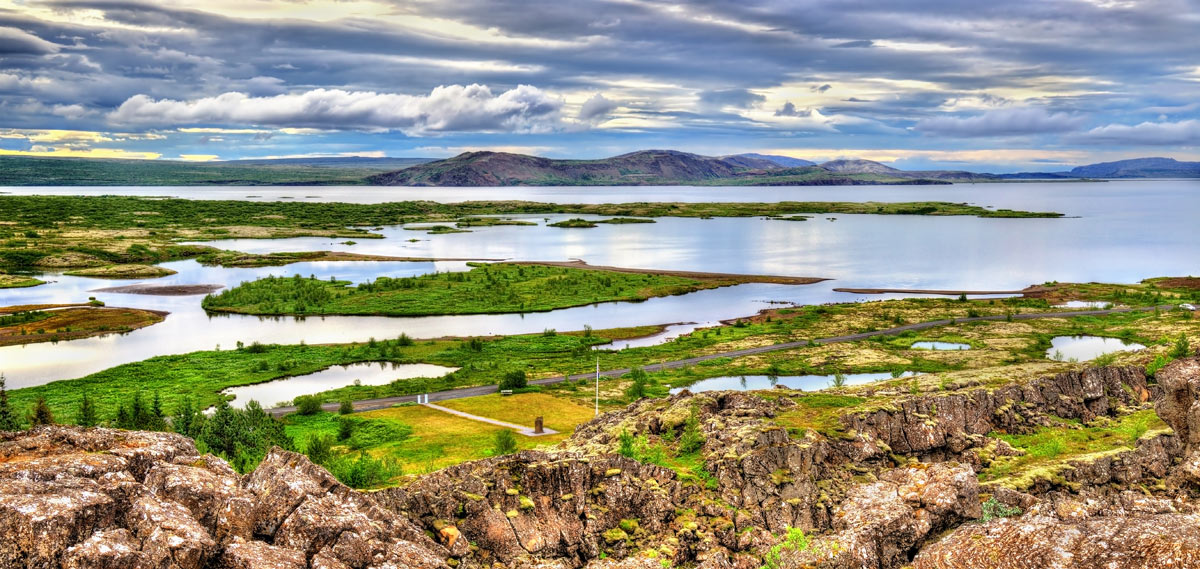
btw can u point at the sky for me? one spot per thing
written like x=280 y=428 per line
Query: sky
x=998 y=86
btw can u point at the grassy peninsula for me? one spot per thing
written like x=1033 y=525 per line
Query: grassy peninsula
x=487 y=288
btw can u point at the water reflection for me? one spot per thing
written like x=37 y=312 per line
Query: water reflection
x=1084 y=348
x=281 y=391
x=801 y=382
x=940 y=346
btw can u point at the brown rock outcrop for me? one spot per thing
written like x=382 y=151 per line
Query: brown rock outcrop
x=1179 y=407
x=941 y=427
x=98 y=498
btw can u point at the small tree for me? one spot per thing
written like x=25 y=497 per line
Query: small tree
x=41 y=413
x=691 y=439
x=8 y=419
x=86 y=416
x=319 y=449
x=345 y=429
x=625 y=444
x=514 y=380
x=346 y=407
x=504 y=443
x=187 y=420
x=1181 y=348
x=637 y=389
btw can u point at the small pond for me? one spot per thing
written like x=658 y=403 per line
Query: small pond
x=1084 y=348
x=282 y=391
x=1084 y=304
x=940 y=346
x=803 y=382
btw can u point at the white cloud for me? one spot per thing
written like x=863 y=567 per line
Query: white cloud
x=1147 y=134
x=597 y=108
x=1002 y=122
x=448 y=108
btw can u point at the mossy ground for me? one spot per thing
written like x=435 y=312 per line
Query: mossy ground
x=1049 y=450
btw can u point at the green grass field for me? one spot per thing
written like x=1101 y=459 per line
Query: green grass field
x=495 y=288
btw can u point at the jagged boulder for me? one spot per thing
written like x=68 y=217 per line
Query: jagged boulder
x=1112 y=542
x=880 y=524
x=540 y=505
x=1179 y=407
x=98 y=498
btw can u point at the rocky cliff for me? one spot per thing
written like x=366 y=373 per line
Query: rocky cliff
x=100 y=498
x=890 y=481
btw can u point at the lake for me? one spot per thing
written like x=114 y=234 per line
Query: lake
x=1121 y=231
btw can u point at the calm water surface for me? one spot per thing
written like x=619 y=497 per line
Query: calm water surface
x=1084 y=348
x=803 y=382
x=1119 y=232
x=281 y=391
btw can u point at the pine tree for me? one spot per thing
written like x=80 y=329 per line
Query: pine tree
x=122 y=420
x=8 y=419
x=86 y=416
x=41 y=413
x=187 y=420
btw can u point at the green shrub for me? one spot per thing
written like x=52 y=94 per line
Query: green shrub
x=307 y=405
x=319 y=449
x=993 y=509
x=514 y=380
x=691 y=439
x=1181 y=348
x=504 y=443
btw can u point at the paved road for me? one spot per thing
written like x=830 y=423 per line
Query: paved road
x=385 y=402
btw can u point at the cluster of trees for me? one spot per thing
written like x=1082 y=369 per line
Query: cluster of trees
x=277 y=294
x=240 y=436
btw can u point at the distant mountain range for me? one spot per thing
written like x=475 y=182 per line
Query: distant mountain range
x=646 y=167
x=671 y=167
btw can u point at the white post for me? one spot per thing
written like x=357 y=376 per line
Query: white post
x=597 y=386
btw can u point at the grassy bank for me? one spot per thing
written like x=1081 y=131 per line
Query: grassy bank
x=487 y=288
x=18 y=281
x=123 y=272
x=33 y=326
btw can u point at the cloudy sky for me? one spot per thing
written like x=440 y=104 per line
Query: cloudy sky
x=1002 y=86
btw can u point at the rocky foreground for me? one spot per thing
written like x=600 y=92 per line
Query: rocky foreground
x=897 y=486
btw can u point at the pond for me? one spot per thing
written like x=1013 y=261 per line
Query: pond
x=282 y=391
x=940 y=346
x=1084 y=348
x=1098 y=304
x=802 y=382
